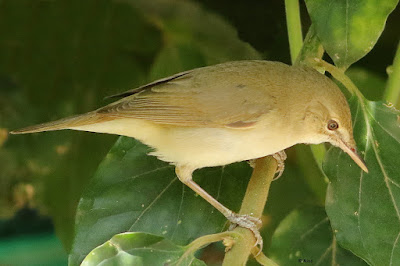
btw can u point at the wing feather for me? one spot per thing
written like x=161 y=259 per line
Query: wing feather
x=203 y=97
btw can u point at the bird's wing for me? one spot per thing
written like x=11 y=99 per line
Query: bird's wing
x=195 y=100
x=152 y=84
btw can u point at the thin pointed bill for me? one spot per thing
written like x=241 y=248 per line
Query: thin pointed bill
x=354 y=155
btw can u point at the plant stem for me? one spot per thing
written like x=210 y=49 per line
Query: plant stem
x=302 y=54
x=392 y=92
x=294 y=27
x=257 y=190
x=338 y=74
x=253 y=204
x=312 y=48
x=262 y=259
x=204 y=241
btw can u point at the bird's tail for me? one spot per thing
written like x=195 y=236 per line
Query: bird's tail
x=65 y=123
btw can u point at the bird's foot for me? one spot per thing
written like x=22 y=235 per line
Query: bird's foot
x=247 y=221
x=280 y=158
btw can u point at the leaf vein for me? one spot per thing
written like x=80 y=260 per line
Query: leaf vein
x=152 y=203
x=321 y=258
x=386 y=179
x=394 y=246
x=370 y=136
x=384 y=129
x=313 y=228
x=362 y=175
x=394 y=183
x=149 y=172
x=179 y=211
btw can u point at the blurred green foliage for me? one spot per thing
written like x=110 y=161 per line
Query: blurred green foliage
x=59 y=58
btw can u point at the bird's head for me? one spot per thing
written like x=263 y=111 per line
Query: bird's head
x=329 y=120
x=339 y=132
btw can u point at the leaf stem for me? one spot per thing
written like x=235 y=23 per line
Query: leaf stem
x=312 y=48
x=294 y=28
x=202 y=241
x=339 y=75
x=253 y=204
x=392 y=92
x=262 y=259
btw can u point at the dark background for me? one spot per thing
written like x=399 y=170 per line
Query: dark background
x=59 y=58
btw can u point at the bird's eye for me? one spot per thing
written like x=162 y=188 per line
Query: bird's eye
x=333 y=125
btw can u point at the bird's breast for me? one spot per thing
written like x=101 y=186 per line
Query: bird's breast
x=200 y=146
x=203 y=147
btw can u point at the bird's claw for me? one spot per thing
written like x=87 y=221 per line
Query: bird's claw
x=250 y=222
x=280 y=158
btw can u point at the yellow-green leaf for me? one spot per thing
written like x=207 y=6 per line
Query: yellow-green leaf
x=139 y=249
x=349 y=29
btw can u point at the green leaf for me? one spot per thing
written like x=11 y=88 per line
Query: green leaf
x=297 y=193
x=312 y=172
x=305 y=236
x=364 y=209
x=139 y=249
x=135 y=192
x=349 y=29
x=371 y=84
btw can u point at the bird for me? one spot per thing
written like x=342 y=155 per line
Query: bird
x=225 y=113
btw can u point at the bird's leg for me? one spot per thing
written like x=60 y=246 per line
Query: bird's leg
x=247 y=221
x=280 y=158
x=185 y=176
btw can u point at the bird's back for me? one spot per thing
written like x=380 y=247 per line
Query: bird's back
x=232 y=94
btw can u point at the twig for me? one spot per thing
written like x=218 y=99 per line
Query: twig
x=253 y=204
x=392 y=92
x=294 y=27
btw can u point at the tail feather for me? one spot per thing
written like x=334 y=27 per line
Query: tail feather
x=65 y=123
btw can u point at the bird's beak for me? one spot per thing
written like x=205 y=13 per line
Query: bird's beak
x=352 y=151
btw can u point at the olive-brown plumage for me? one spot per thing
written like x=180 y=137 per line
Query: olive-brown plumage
x=225 y=113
